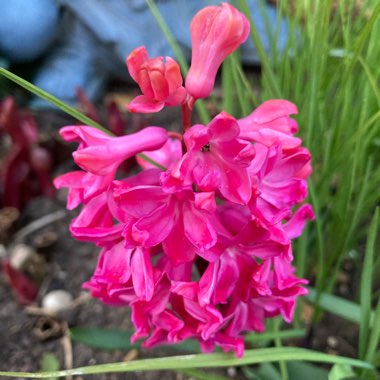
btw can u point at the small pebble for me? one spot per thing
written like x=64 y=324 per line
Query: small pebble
x=231 y=371
x=332 y=341
x=57 y=300
x=20 y=255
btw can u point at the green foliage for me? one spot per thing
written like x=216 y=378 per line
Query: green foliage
x=49 y=363
x=201 y=108
x=341 y=372
x=50 y=98
x=330 y=70
x=339 y=306
x=106 y=339
x=366 y=287
x=112 y=339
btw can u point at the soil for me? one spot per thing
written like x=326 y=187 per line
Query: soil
x=26 y=335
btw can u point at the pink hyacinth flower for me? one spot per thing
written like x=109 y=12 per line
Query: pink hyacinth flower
x=152 y=216
x=112 y=282
x=83 y=186
x=95 y=222
x=159 y=81
x=286 y=288
x=270 y=123
x=216 y=159
x=279 y=178
x=103 y=156
x=215 y=33
x=294 y=227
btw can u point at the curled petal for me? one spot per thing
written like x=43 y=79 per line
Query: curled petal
x=84 y=135
x=72 y=180
x=105 y=158
x=296 y=224
x=143 y=104
x=273 y=109
x=142 y=274
x=198 y=229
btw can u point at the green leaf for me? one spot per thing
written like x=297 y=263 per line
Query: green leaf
x=264 y=58
x=228 y=87
x=266 y=371
x=338 y=306
x=52 y=99
x=148 y=159
x=65 y=108
x=200 y=106
x=366 y=286
x=302 y=370
x=201 y=375
x=374 y=337
x=113 y=339
x=49 y=363
x=263 y=355
x=270 y=336
x=341 y=372
x=106 y=339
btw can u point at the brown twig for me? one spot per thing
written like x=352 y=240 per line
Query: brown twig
x=67 y=350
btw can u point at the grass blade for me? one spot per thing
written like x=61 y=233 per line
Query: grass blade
x=105 y=339
x=200 y=106
x=214 y=360
x=374 y=338
x=228 y=89
x=52 y=99
x=201 y=375
x=338 y=306
x=366 y=286
x=168 y=35
x=49 y=363
x=65 y=108
x=269 y=336
x=264 y=59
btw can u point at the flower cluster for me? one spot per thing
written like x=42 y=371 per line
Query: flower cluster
x=198 y=242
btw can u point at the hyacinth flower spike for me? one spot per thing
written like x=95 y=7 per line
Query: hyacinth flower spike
x=198 y=243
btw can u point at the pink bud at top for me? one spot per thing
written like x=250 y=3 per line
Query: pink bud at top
x=215 y=33
x=160 y=82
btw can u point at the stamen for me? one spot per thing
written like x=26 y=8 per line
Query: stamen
x=206 y=148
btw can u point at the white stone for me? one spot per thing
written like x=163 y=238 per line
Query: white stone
x=57 y=300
